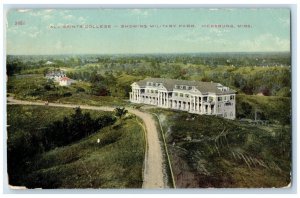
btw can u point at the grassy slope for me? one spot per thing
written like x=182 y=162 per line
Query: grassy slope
x=207 y=159
x=116 y=162
x=32 y=88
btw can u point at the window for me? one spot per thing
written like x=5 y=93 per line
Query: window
x=231 y=114
x=219 y=98
x=152 y=91
x=175 y=94
x=181 y=95
x=227 y=104
x=156 y=91
x=231 y=97
x=187 y=95
x=181 y=86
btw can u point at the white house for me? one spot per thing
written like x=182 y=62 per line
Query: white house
x=55 y=75
x=193 y=96
x=65 y=81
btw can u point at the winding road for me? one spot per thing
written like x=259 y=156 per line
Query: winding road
x=153 y=170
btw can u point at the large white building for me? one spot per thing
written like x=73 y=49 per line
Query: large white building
x=193 y=96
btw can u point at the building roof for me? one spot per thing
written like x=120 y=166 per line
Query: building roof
x=203 y=87
x=65 y=79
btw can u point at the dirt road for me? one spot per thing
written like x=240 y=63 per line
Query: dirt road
x=153 y=170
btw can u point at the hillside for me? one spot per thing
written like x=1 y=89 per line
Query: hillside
x=208 y=151
x=115 y=162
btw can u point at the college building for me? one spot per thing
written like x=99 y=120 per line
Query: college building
x=197 y=97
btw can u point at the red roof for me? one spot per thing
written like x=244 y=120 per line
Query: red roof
x=65 y=79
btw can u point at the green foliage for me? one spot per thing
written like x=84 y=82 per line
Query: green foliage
x=33 y=131
x=272 y=108
x=78 y=126
x=81 y=164
x=208 y=151
x=120 y=112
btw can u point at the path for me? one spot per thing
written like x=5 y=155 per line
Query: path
x=153 y=170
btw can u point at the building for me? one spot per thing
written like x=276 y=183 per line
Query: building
x=55 y=75
x=65 y=81
x=193 y=96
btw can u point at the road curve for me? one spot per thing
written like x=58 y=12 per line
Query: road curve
x=153 y=170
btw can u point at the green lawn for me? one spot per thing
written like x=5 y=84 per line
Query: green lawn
x=115 y=162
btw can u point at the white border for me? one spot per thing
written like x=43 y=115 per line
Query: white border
x=162 y=3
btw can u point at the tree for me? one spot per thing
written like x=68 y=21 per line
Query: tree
x=120 y=111
x=99 y=89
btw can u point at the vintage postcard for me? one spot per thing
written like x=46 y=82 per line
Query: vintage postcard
x=148 y=98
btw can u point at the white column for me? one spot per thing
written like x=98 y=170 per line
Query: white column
x=198 y=104
x=194 y=103
x=158 y=97
x=201 y=109
x=134 y=95
x=139 y=93
x=167 y=99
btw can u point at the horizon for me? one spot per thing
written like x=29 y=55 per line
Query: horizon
x=146 y=31
x=163 y=53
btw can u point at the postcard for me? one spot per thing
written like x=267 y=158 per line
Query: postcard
x=148 y=98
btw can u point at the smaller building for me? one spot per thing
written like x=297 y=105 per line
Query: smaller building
x=65 y=81
x=55 y=75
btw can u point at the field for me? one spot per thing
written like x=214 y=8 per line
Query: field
x=208 y=151
x=115 y=162
x=205 y=151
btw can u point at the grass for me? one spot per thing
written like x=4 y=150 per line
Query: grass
x=208 y=151
x=274 y=108
x=115 y=162
x=86 y=99
x=33 y=88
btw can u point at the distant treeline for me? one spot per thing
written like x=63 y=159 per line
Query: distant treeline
x=249 y=73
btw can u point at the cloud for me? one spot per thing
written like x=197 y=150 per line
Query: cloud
x=265 y=42
x=49 y=10
x=47 y=17
x=139 y=12
x=34 y=34
x=218 y=31
x=23 y=10
x=284 y=21
x=82 y=20
x=61 y=46
x=199 y=37
x=211 y=42
x=69 y=16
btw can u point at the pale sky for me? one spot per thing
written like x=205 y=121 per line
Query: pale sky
x=30 y=31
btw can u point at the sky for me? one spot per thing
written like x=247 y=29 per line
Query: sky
x=195 y=30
